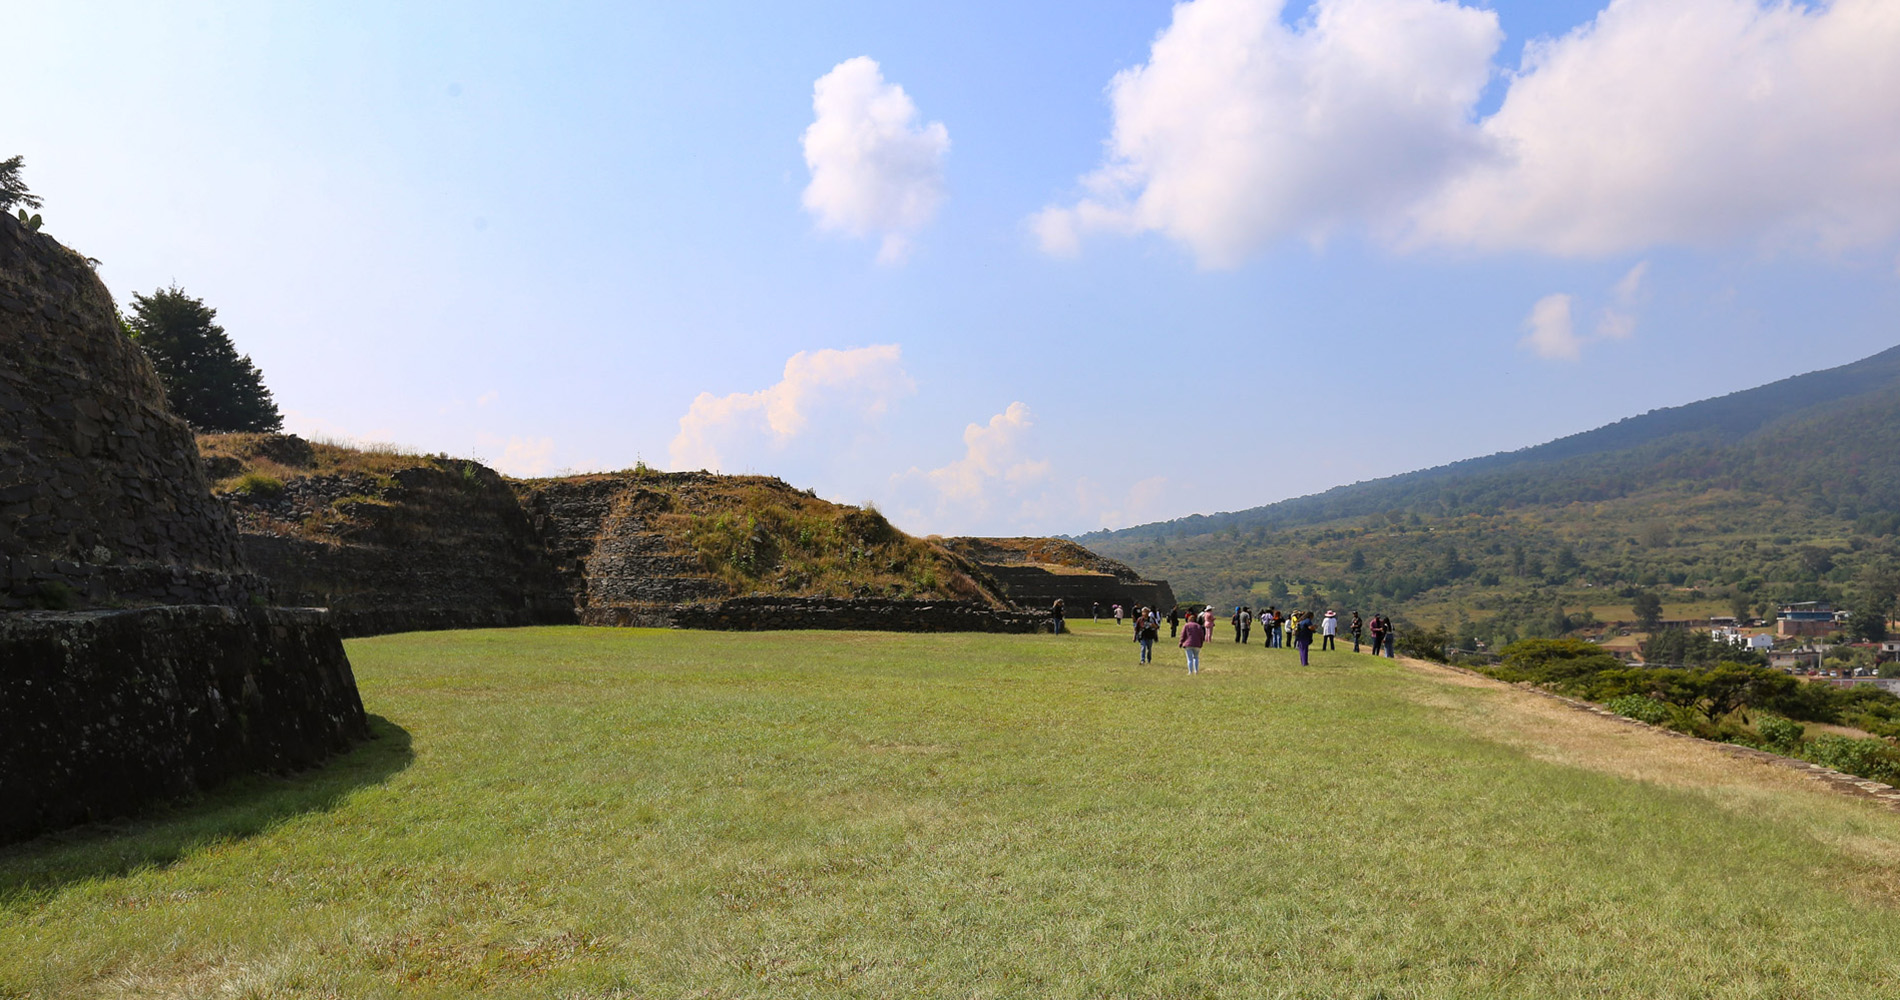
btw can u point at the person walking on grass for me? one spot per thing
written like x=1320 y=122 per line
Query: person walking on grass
x=1236 y=623
x=1192 y=638
x=1391 y=638
x=1358 y=630
x=1328 y=629
x=1271 y=622
x=1056 y=608
x=1174 y=621
x=1303 y=637
x=1378 y=633
x=1246 y=623
x=1147 y=630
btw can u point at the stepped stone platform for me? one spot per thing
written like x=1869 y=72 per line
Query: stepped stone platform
x=617 y=568
x=1034 y=572
x=441 y=545
x=106 y=711
x=166 y=674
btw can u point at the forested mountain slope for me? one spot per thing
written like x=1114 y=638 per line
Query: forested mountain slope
x=1790 y=490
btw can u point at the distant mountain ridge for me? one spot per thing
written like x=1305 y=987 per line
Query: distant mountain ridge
x=1787 y=491
x=1645 y=443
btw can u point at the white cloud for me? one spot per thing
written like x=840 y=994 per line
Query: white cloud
x=876 y=168
x=1548 y=330
x=993 y=458
x=822 y=393
x=1661 y=122
x=520 y=456
x=1695 y=122
x=1240 y=130
x=1002 y=485
x=1618 y=321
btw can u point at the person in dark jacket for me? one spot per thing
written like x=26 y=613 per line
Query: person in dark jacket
x=1303 y=636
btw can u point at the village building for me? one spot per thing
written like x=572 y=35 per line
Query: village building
x=1806 y=618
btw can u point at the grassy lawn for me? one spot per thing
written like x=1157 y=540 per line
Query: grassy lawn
x=630 y=813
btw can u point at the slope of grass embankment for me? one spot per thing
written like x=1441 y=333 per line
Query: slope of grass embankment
x=632 y=813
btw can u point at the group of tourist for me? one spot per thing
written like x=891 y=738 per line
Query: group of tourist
x=1295 y=631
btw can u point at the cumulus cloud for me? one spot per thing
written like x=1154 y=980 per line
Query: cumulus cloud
x=1002 y=484
x=1683 y=122
x=1548 y=331
x=520 y=456
x=1694 y=122
x=993 y=456
x=876 y=168
x=828 y=391
x=1618 y=321
x=1240 y=130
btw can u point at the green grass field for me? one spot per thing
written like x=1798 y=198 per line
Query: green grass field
x=630 y=813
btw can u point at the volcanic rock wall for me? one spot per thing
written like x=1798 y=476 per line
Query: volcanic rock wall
x=441 y=544
x=617 y=567
x=102 y=498
x=102 y=711
x=103 y=503
x=1034 y=572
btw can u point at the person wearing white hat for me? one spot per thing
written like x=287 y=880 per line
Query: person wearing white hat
x=1328 y=628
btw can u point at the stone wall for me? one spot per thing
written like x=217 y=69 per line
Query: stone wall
x=1037 y=587
x=1034 y=572
x=441 y=545
x=104 y=504
x=754 y=614
x=615 y=566
x=103 y=712
x=102 y=497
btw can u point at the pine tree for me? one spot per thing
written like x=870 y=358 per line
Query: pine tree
x=13 y=192
x=12 y=189
x=206 y=381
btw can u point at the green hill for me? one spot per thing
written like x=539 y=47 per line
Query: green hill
x=1789 y=491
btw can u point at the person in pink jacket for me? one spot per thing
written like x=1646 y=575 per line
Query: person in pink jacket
x=1193 y=636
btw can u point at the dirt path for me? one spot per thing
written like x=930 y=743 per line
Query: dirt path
x=1565 y=731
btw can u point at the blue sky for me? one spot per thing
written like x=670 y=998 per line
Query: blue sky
x=1287 y=248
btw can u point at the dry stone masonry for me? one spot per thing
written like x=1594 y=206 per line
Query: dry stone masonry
x=1034 y=572
x=443 y=544
x=102 y=711
x=101 y=495
x=165 y=674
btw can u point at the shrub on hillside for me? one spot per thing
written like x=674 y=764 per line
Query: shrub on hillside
x=1555 y=663
x=1876 y=759
x=1641 y=708
x=1779 y=734
x=1425 y=644
x=258 y=486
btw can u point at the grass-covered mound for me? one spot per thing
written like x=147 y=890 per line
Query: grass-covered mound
x=759 y=535
x=750 y=534
x=629 y=813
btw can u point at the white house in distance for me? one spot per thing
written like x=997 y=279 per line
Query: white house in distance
x=1760 y=642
